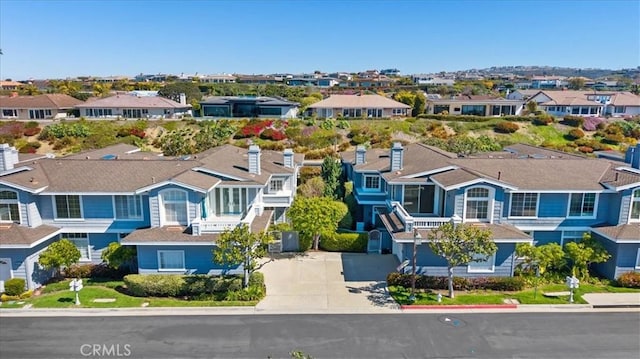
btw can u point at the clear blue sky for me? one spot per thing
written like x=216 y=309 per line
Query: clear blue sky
x=57 y=39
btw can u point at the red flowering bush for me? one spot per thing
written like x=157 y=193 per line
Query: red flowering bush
x=254 y=128
x=271 y=134
x=31 y=131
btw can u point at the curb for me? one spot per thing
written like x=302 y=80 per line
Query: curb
x=461 y=306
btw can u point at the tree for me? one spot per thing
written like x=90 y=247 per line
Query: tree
x=584 y=252
x=117 y=255
x=331 y=171
x=406 y=97
x=59 y=254
x=101 y=89
x=177 y=143
x=543 y=257
x=66 y=87
x=532 y=107
x=241 y=246
x=172 y=91
x=313 y=187
x=419 y=104
x=576 y=83
x=316 y=215
x=461 y=244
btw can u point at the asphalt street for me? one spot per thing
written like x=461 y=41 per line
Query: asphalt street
x=462 y=335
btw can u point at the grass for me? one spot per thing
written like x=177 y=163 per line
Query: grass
x=528 y=296
x=58 y=295
x=549 y=135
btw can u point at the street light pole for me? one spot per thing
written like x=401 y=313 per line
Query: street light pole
x=417 y=239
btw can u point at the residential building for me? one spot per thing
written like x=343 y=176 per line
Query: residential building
x=217 y=79
x=37 y=107
x=367 y=106
x=524 y=194
x=258 y=79
x=475 y=105
x=171 y=209
x=316 y=82
x=390 y=72
x=10 y=85
x=521 y=95
x=422 y=79
x=368 y=82
x=588 y=103
x=248 y=106
x=132 y=106
x=549 y=82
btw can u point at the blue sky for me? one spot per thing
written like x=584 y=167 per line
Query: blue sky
x=73 y=38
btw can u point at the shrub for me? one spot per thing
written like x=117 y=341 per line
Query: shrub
x=31 y=131
x=26 y=295
x=79 y=271
x=344 y=242
x=575 y=134
x=573 y=121
x=7 y=298
x=14 y=286
x=154 y=285
x=542 y=120
x=613 y=139
x=256 y=279
x=506 y=127
x=459 y=283
x=629 y=280
x=592 y=123
x=271 y=134
x=247 y=294
x=585 y=149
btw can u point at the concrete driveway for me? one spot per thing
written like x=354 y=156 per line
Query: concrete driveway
x=324 y=282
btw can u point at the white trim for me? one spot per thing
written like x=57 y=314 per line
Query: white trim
x=171 y=269
x=23 y=246
x=10 y=202
x=492 y=270
x=22 y=188
x=637 y=266
x=632 y=199
x=371 y=202
x=563 y=236
x=135 y=219
x=430 y=172
x=216 y=173
x=563 y=191
x=510 y=216
x=595 y=207
x=557 y=227
x=490 y=199
x=473 y=182
x=172 y=243
x=167 y=183
x=55 y=209
x=86 y=236
x=424 y=240
x=371 y=189
x=163 y=220
x=88 y=193
x=8 y=261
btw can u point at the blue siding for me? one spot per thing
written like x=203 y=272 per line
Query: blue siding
x=45 y=203
x=198 y=259
x=546 y=237
x=98 y=242
x=553 y=205
x=97 y=206
x=24 y=264
x=193 y=206
x=623 y=258
x=431 y=264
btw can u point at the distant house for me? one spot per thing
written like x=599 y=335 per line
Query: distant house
x=359 y=106
x=37 y=107
x=129 y=106
x=422 y=79
x=258 y=79
x=588 y=103
x=10 y=85
x=369 y=82
x=522 y=95
x=249 y=106
x=475 y=105
x=317 y=82
x=548 y=82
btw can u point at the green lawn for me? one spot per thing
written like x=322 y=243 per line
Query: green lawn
x=528 y=296
x=58 y=295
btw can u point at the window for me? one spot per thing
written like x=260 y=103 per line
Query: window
x=171 y=260
x=524 y=205
x=371 y=182
x=174 y=203
x=81 y=241
x=438 y=109
x=128 y=207
x=582 y=205
x=571 y=236
x=481 y=265
x=477 y=204
x=352 y=112
x=477 y=110
x=9 y=211
x=276 y=185
x=374 y=112
x=399 y=111
x=638 y=259
x=618 y=109
x=68 y=206
x=9 y=113
x=231 y=201
x=635 y=207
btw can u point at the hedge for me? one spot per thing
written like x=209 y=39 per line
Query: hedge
x=506 y=127
x=629 y=280
x=344 y=242
x=95 y=271
x=574 y=121
x=459 y=283
x=471 y=118
x=172 y=285
x=14 y=286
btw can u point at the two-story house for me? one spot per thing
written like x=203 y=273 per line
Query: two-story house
x=172 y=209
x=523 y=194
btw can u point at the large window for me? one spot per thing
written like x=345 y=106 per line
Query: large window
x=174 y=203
x=39 y=114
x=135 y=112
x=276 y=185
x=128 y=207
x=372 y=182
x=374 y=112
x=9 y=210
x=8 y=112
x=68 y=206
x=171 y=260
x=231 y=201
x=81 y=241
x=524 y=205
x=482 y=265
x=477 y=110
x=270 y=111
x=438 y=109
x=477 y=204
x=419 y=199
x=635 y=207
x=352 y=112
x=582 y=204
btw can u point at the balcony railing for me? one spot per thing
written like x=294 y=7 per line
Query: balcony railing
x=216 y=224
x=410 y=222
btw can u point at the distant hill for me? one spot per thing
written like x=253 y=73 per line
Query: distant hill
x=564 y=71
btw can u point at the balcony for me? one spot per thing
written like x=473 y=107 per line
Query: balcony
x=410 y=222
x=280 y=199
x=218 y=224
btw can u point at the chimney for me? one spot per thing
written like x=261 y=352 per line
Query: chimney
x=8 y=157
x=183 y=99
x=361 y=155
x=288 y=158
x=397 y=156
x=254 y=159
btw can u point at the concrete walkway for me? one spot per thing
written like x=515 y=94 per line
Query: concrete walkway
x=604 y=300
x=317 y=282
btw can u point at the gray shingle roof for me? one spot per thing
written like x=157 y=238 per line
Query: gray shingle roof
x=625 y=232
x=13 y=234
